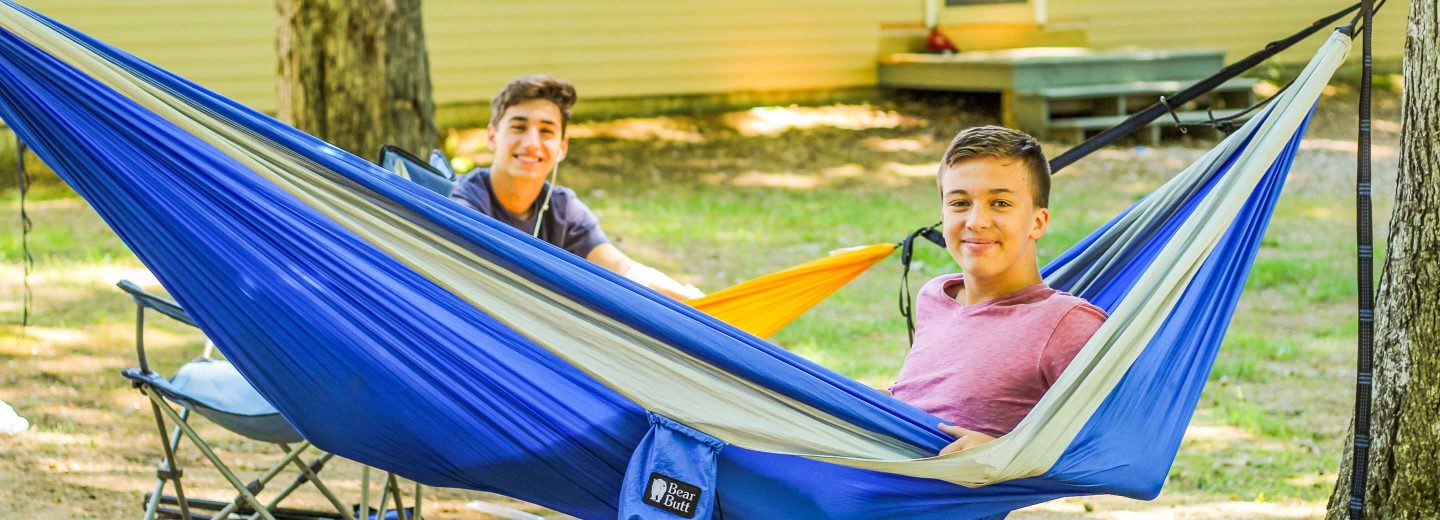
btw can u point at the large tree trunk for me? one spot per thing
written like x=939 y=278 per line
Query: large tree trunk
x=356 y=73
x=1404 y=468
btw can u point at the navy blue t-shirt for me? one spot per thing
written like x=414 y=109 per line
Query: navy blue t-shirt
x=568 y=223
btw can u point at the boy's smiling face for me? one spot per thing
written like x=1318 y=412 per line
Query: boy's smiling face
x=990 y=220
x=528 y=140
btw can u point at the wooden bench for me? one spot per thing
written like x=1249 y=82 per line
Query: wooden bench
x=1042 y=86
x=1067 y=113
x=1074 y=128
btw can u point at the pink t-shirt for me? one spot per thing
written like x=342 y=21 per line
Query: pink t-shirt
x=984 y=366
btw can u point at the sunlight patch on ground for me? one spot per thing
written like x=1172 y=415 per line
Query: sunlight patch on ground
x=49 y=342
x=1321 y=213
x=1216 y=433
x=125 y=399
x=83 y=466
x=912 y=144
x=755 y=179
x=843 y=172
x=1317 y=479
x=57 y=439
x=1222 y=510
x=815 y=353
x=1137 y=188
x=50 y=336
x=777 y=120
x=1117 y=508
x=78 y=365
x=88 y=417
x=1381 y=125
x=54 y=204
x=640 y=129
x=102 y=274
x=1377 y=150
x=1207 y=433
x=913 y=171
x=115 y=478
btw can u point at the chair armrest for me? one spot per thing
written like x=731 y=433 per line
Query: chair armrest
x=162 y=304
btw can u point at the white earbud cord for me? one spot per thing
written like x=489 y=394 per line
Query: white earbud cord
x=540 y=215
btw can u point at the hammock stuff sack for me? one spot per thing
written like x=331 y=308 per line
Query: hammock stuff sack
x=398 y=329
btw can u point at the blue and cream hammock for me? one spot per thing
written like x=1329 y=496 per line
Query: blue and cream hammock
x=396 y=328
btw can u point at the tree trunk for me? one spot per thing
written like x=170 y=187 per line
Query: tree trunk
x=1404 y=468
x=356 y=74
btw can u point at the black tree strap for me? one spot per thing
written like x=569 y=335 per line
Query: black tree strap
x=1364 y=252
x=1159 y=109
x=25 y=225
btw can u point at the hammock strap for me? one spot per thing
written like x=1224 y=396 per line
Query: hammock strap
x=907 y=252
x=1364 y=260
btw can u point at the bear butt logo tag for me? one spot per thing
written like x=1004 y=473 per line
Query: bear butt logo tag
x=672 y=495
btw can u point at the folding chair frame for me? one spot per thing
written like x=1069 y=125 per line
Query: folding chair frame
x=246 y=501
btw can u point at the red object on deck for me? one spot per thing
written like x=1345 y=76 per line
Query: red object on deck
x=938 y=42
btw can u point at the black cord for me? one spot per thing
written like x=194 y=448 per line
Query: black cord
x=25 y=224
x=1171 y=110
x=1229 y=123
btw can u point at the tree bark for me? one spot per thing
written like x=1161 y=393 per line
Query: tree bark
x=1404 y=468
x=356 y=73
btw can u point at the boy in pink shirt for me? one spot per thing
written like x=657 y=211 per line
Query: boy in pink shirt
x=989 y=343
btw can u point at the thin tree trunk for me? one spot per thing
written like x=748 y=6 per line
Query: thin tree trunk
x=1404 y=469
x=356 y=73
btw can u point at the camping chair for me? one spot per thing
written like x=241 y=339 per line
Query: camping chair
x=216 y=390
x=434 y=175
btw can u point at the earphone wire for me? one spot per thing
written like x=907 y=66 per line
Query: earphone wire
x=549 y=191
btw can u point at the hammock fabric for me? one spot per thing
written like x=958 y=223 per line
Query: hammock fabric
x=764 y=305
x=398 y=329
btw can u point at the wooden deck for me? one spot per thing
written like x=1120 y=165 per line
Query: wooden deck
x=1068 y=91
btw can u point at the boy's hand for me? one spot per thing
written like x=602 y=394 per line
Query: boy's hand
x=963 y=438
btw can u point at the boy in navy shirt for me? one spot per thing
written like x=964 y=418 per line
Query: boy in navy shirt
x=527 y=134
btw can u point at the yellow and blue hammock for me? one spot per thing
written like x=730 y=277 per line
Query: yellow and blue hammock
x=396 y=328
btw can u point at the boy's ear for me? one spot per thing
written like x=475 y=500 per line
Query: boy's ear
x=564 y=148
x=1040 y=224
x=490 y=136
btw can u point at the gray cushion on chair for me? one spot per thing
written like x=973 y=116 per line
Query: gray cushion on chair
x=215 y=389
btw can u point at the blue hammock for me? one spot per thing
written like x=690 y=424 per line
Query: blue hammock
x=398 y=329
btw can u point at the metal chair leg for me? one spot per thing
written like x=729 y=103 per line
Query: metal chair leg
x=169 y=468
x=365 y=493
x=399 y=500
x=214 y=460
x=311 y=473
x=384 y=495
x=258 y=484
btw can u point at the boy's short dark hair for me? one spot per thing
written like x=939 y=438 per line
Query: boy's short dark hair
x=1002 y=143
x=536 y=86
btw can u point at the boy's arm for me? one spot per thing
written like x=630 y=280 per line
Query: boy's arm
x=610 y=257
